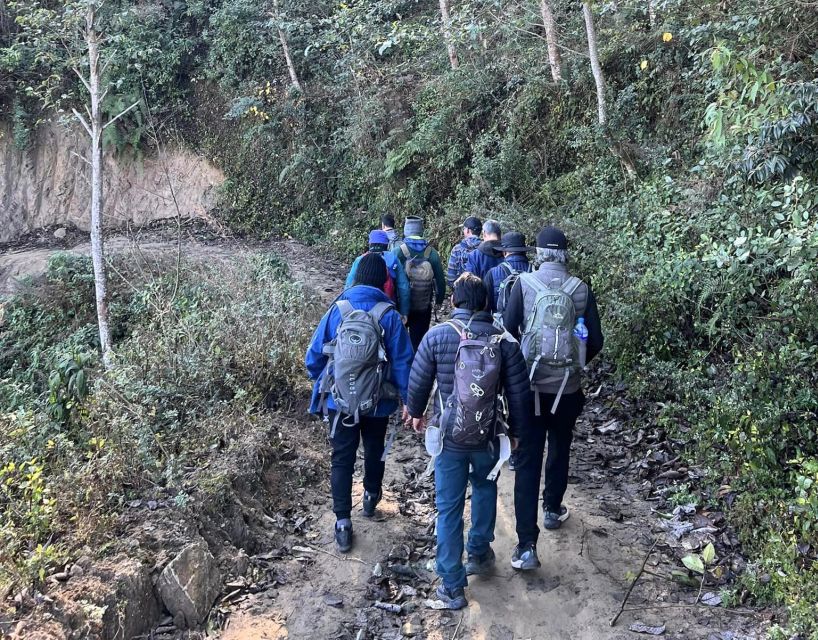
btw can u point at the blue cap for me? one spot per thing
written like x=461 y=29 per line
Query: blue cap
x=378 y=237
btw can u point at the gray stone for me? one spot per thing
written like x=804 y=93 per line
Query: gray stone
x=189 y=585
x=60 y=233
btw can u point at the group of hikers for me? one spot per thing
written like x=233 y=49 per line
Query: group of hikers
x=502 y=373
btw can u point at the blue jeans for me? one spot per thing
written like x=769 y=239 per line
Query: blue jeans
x=451 y=477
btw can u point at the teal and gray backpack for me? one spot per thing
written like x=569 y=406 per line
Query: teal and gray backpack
x=504 y=291
x=547 y=341
x=356 y=371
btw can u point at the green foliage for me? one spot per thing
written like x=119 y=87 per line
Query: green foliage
x=200 y=351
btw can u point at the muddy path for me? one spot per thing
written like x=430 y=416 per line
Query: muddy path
x=380 y=589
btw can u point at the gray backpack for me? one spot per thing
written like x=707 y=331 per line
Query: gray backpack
x=421 y=278
x=470 y=415
x=547 y=342
x=395 y=240
x=504 y=291
x=357 y=366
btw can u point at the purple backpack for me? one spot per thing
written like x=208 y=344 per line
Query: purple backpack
x=470 y=414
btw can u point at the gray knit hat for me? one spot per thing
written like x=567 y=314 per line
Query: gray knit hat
x=413 y=227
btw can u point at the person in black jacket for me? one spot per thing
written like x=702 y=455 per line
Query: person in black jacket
x=435 y=361
x=555 y=405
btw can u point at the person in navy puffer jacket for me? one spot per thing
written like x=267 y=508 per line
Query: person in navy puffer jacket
x=513 y=247
x=367 y=292
x=435 y=361
x=486 y=256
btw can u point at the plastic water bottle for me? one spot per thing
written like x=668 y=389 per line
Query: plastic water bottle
x=581 y=335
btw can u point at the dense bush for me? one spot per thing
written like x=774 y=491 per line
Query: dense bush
x=205 y=348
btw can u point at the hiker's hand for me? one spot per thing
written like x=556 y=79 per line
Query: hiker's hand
x=419 y=424
x=405 y=417
x=515 y=442
x=404 y=320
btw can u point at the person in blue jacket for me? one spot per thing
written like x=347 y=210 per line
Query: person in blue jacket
x=486 y=256
x=378 y=243
x=365 y=294
x=514 y=252
x=472 y=227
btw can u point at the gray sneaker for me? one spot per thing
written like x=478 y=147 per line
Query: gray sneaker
x=552 y=520
x=480 y=565
x=343 y=535
x=451 y=599
x=525 y=557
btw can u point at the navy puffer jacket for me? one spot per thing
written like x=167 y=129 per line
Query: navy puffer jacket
x=435 y=361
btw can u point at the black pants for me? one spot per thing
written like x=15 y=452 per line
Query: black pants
x=418 y=325
x=558 y=431
x=344 y=450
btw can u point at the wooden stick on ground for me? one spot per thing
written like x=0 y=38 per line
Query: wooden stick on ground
x=633 y=584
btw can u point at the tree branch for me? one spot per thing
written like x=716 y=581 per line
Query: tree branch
x=82 y=121
x=83 y=158
x=122 y=113
x=85 y=82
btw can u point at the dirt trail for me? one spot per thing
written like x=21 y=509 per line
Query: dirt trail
x=320 y=595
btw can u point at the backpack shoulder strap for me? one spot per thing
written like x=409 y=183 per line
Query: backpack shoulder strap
x=380 y=310
x=571 y=285
x=533 y=281
x=427 y=251
x=344 y=307
x=405 y=250
x=507 y=268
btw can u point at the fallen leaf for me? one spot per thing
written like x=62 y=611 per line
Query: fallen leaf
x=711 y=599
x=641 y=627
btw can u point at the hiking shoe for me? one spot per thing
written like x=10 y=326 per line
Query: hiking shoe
x=371 y=501
x=512 y=462
x=525 y=557
x=480 y=565
x=452 y=599
x=552 y=520
x=343 y=535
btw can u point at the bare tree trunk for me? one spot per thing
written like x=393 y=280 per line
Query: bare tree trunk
x=595 y=68
x=554 y=59
x=651 y=13
x=97 y=248
x=447 y=33
x=286 y=48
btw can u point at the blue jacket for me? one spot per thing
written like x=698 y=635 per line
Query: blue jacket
x=483 y=259
x=459 y=258
x=497 y=274
x=398 y=276
x=396 y=341
x=417 y=246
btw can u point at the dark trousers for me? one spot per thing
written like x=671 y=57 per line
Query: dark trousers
x=418 y=325
x=344 y=450
x=557 y=430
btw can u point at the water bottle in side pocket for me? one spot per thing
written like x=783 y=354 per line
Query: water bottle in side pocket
x=581 y=336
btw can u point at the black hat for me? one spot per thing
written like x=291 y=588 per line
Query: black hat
x=371 y=271
x=551 y=238
x=470 y=293
x=474 y=223
x=514 y=242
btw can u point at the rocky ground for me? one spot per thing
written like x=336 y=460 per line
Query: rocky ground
x=258 y=562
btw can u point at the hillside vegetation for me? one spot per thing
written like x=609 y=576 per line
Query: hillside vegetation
x=693 y=210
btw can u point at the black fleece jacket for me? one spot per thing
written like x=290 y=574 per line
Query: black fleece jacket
x=435 y=361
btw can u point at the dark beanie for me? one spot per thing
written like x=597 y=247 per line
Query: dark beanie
x=469 y=293
x=551 y=238
x=371 y=271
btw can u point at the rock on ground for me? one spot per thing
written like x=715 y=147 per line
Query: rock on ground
x=189 y=585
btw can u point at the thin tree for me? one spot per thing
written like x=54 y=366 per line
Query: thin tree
x=596 y=69
x=94 y=127
x=554 y=59
x=447 y=33
x=285 y=47
x=651 y=13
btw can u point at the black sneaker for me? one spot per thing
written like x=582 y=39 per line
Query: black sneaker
x=480 y=565
x=553 y=520
x=512 y=462
x=452 y=599
x=370 y=502
x=525 y=557
x=343 y=535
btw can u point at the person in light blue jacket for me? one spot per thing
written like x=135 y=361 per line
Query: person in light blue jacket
x=366 y=293
x=400 y=294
